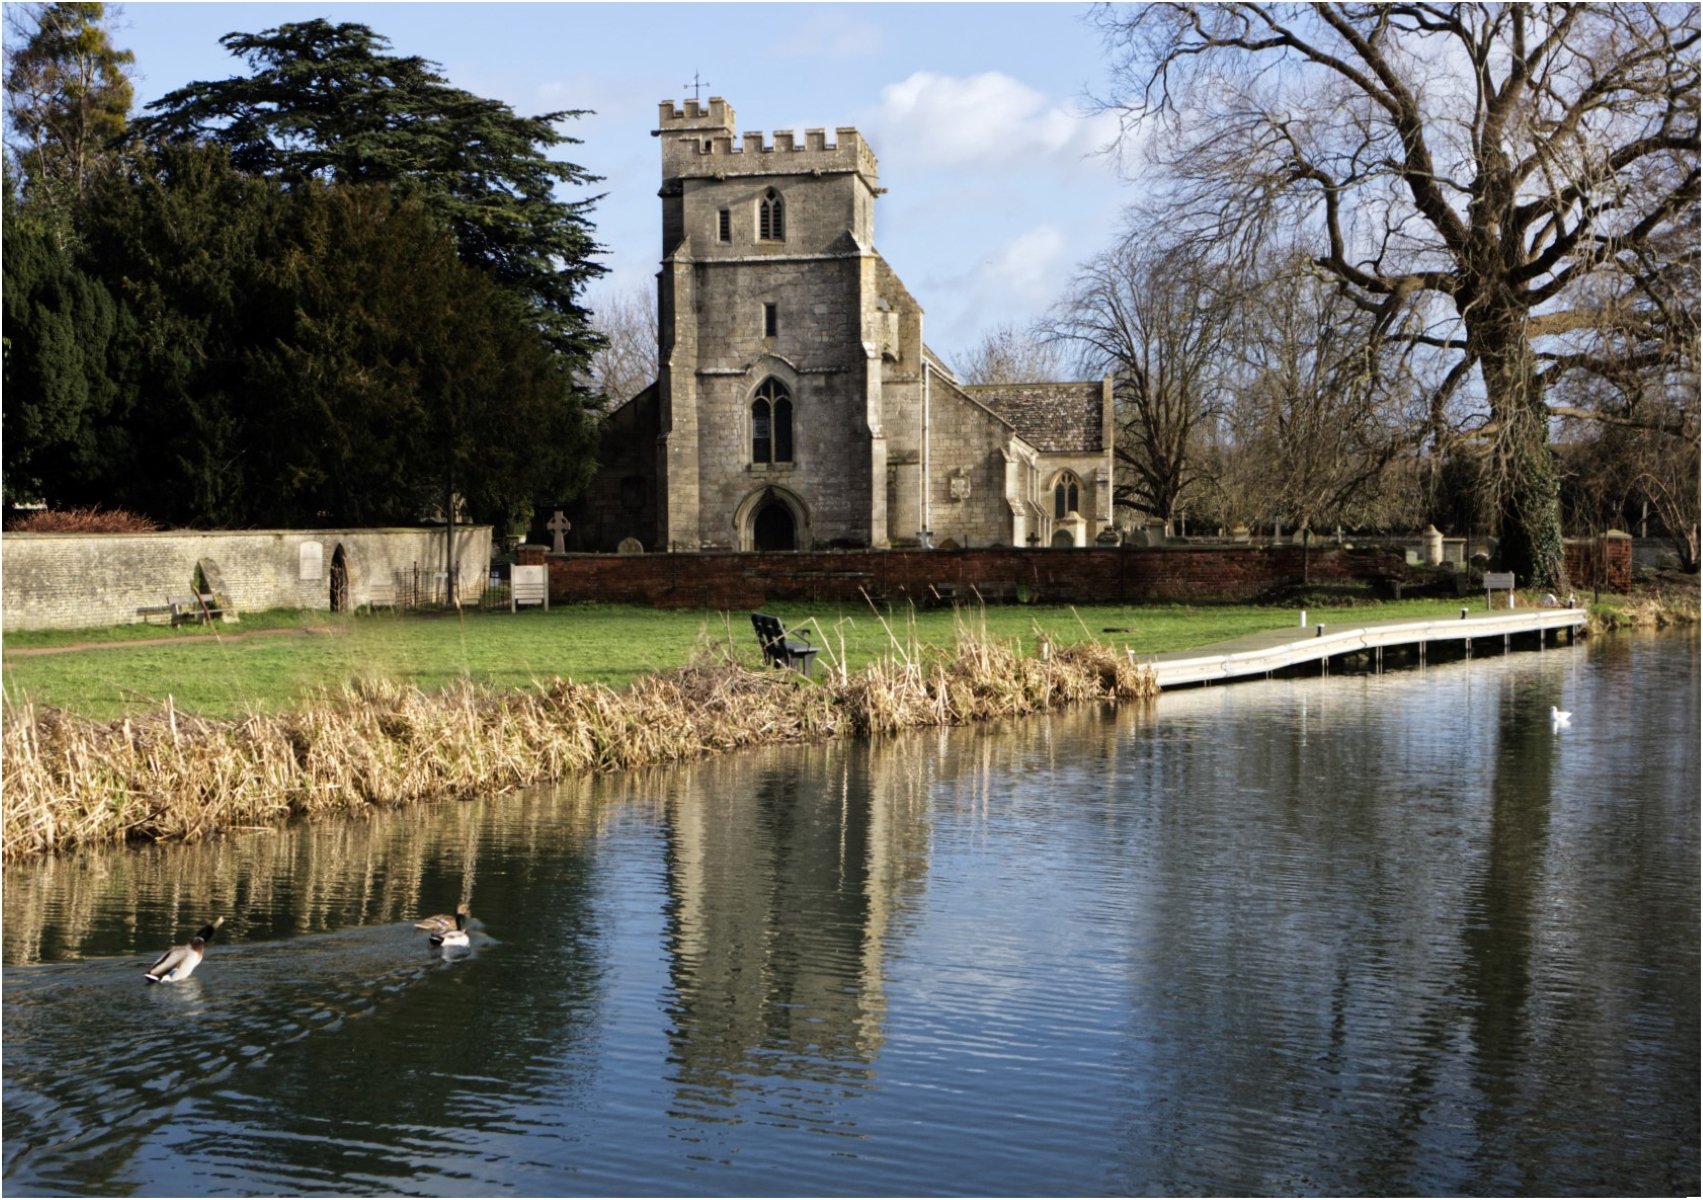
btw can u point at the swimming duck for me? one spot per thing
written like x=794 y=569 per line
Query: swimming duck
x=180 y=962
x=444 y=922
x=452 y=937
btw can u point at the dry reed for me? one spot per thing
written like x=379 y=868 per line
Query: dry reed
x=68 y=781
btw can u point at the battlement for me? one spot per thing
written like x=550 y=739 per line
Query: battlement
x=699 y=141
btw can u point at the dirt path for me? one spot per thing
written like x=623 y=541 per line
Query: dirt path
x=76 y=647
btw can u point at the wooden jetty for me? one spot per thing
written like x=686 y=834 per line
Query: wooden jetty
x=1260 y=654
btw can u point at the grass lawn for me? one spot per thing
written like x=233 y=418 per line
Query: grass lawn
x=274 y=661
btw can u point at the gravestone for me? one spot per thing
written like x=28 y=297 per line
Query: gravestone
x=558 y=526
x=630 y=545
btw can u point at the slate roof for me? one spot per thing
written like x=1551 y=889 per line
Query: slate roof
x=1057 y=417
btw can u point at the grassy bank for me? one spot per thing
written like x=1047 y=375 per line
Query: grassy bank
x=71 y=780
x=276 y=662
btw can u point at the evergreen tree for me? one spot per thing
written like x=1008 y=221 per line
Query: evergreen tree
x=324 y=101
x=60 y=324
x=180 y=244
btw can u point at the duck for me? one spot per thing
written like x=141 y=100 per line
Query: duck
x=1559 y=719
x=179 y=962
x=452 y=937
x=444 y=922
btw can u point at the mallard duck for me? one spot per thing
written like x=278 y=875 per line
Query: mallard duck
x=444 y=922
x=453 y=937
x=180 y=961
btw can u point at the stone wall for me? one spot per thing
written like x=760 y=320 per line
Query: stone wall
x=1091 y=576
x=79 y=581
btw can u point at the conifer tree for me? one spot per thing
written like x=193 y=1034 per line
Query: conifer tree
x=325 y=101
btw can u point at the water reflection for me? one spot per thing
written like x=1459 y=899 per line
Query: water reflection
x=1372 y=935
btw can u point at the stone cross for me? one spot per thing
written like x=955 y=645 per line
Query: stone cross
x=558 y=525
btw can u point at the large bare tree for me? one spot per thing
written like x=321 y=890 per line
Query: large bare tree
x=1155 y=315
x=1326 y=405
x=1510 y=172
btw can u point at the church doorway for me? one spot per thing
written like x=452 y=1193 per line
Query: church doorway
x=772 y=528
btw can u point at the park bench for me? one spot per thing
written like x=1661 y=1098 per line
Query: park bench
x=180 y=610
x=1498 y=580
x=781 y=649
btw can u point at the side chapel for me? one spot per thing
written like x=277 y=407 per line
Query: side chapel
x=797 y=406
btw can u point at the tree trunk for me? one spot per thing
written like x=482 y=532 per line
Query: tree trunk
x=1523 y=470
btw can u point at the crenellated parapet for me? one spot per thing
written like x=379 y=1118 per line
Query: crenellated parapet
x=698 y=141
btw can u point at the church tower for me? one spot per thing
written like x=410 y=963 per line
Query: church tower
x=771 y=333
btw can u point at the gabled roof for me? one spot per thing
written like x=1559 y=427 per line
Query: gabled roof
x=1055 y=417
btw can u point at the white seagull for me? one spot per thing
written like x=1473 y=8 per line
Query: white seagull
x=1559 y=719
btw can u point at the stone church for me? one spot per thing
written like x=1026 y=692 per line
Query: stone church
x=797 y=406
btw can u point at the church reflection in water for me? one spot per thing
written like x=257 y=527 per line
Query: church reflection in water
x=788 y=876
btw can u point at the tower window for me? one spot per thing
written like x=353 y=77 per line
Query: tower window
x=771 y=217
x=724 y=225
x=771 y=423
x=771 y=320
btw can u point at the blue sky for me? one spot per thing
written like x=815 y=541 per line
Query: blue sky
x=975 y=113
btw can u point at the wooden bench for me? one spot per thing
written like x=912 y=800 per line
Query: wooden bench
x=181 y=610
x=779 y=648
x=1494 y=580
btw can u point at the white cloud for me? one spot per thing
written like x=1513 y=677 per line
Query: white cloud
x=831 y=36
x=989 y=121
x=1028 y=269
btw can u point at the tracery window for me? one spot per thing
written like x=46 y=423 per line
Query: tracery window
x=1066 y=496
x=771 y=423
x=771 y=217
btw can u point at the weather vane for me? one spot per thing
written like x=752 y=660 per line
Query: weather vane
x=696 y=84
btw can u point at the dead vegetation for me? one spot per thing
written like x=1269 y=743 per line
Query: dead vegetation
x=71 y=781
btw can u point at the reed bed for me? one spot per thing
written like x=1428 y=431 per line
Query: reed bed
x=69 y=781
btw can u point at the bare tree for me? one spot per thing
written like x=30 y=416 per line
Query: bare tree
x=1154 y=316
x=626 y=365
x=1326 y=407
x=1011 y=355
x=1496 y=169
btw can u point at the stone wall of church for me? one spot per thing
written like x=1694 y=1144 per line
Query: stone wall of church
x=967 y=499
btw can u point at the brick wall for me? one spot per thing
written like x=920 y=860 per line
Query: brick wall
x=1604 y=562
x=1090 y=576
x=80 y=581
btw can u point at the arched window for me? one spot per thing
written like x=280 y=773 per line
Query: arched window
x=1066 y=496
x=771 y=217
x=771 y=423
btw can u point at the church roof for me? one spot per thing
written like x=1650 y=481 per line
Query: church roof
x=1056 y=417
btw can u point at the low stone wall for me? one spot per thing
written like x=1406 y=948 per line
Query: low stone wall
x=1099 y=575
x=77 y=581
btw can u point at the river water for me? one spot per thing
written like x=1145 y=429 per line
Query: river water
x=1386 y=934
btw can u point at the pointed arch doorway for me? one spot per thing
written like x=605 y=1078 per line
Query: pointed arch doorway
x=773 y=527
x=772 y=520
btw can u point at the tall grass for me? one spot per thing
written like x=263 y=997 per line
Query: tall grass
x=68 y=780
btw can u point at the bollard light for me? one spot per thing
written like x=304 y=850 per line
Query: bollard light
x=1303 y=618
x=1463 y=614
x=1319 y=630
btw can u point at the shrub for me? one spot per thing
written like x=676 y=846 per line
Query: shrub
x=82 y=520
